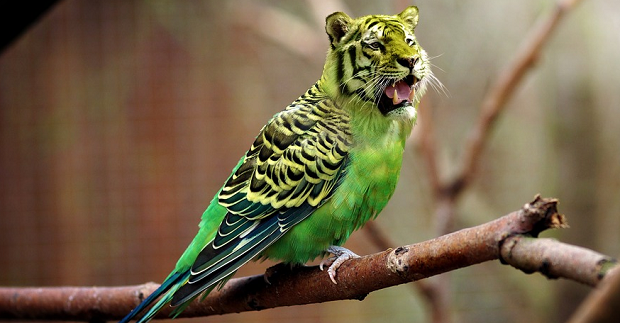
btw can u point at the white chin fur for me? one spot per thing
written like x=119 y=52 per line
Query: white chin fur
x=407 y=112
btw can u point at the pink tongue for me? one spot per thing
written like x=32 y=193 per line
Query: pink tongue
x=402 y=89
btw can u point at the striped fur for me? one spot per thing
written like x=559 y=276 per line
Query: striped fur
x=319 y=169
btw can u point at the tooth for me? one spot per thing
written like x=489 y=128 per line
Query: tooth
x=394 y=84
x=411 y=94
x=395 y=98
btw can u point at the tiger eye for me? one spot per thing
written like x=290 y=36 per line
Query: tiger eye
x=374 y=45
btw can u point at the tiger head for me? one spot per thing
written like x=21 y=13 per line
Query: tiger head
x=377 y=59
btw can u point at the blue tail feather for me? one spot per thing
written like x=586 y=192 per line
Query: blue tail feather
x=170 y=282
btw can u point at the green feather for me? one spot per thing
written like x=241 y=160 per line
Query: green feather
x=319 y=169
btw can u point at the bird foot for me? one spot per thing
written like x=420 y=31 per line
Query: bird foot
x=341 y=255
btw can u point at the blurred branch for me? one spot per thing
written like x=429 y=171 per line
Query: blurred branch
x=493 y=104
x=446 y=194
x=321 y=9
x=427 y=145
x=503 y=89
x=428 y=291
x=299 y=37
x=603 y=303
x=306 y=285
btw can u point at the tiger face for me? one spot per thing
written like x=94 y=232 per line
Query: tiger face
x=377 y=59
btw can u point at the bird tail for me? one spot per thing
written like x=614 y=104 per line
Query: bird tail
x=174 y=281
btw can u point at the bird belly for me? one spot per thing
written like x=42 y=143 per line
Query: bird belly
x=364 y=192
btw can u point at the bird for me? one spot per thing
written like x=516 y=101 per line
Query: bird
x=319 y=169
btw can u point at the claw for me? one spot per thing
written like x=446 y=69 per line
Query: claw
x=341 y=255
x=324 y=262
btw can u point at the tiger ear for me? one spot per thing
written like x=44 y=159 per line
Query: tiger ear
x=336 y=26
x=410 y=16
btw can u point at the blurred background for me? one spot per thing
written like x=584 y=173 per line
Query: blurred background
x=119 y=121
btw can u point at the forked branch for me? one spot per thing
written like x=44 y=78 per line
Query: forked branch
x=356 y=278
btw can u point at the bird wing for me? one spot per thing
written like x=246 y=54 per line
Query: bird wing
x=292 y=168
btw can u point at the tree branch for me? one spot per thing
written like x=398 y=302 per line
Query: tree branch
x=602 y=304
x=383 y=242
x=445 y=194
x=356 y=278
x=541 y=255
x=502 y=91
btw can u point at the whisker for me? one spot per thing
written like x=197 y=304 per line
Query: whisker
x=435 y=66
x=358 y=74
x=438 y=86
x=368 y=85
x=433 y=57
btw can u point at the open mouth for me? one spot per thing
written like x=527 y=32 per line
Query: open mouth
x=397 y=94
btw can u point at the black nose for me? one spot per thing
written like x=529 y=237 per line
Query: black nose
x=408 y=62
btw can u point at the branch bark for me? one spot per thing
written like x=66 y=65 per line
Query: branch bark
x=602 y=304
x=445 y=194
x=356 y=278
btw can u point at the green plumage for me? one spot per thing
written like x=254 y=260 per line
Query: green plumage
x=319 y=169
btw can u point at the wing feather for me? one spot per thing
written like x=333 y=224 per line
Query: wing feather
x=292 y=168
